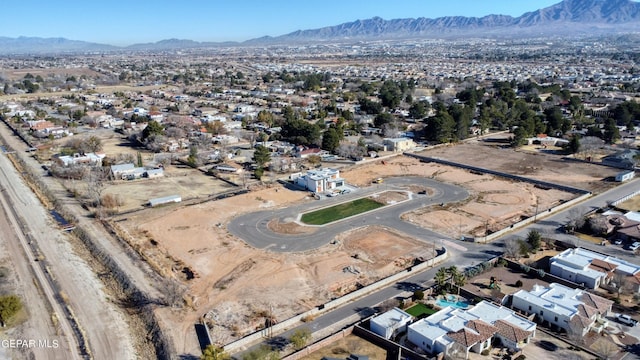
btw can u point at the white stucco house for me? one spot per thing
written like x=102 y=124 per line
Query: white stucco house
x=319 y=180
x=592 y=269
x=573 y=310
x=390 y=323
x=453 y=330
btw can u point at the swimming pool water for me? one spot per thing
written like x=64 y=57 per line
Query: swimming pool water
x=457 y=304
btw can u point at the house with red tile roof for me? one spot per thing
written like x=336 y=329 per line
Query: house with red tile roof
x=592 y=269
x=453 y=330
x=561 y=307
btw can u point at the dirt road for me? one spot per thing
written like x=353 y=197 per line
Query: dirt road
x=102 y=324
x=45 y=321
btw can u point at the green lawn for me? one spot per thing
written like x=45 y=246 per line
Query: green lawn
x=420 y=310
x=341 y=211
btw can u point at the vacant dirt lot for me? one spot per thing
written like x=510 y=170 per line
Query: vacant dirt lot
x=536 y=164
x=351 y=344
x=235 y=285
x=493 y=204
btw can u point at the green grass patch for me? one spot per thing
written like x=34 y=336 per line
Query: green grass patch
x=420 y=310
x=340 y=211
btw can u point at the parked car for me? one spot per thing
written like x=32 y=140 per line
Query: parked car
x=627 y=320
x=378 y=181
x=635 y=246
x=345 y=191
x=547 y=345
x=617 y=241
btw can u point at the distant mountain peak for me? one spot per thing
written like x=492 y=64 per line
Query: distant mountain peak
x=566 y=18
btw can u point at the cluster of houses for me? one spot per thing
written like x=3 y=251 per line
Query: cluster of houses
x=556 y=306
x=457 y=330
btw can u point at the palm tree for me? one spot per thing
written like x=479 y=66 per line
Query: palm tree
x=459 y=279
x=441 y=277
x=453 y=272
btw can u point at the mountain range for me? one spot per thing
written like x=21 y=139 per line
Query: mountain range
x=567 y=18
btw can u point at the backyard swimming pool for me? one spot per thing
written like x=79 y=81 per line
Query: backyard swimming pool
x=457 y=304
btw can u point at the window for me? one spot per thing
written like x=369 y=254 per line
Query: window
x=529 y=307
x=541 y=312
x=556 y=319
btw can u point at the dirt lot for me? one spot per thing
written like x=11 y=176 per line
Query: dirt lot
x=349 y=345
x=632 y=204
x=534 y=163
x=494 y=202
x=236 y=285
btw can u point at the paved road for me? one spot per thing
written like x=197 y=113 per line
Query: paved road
x=461 y=254
x=253 y=229
x=552 y=225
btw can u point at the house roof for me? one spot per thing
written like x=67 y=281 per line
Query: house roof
x=485 y=330
x=601 y=304
x=602 y=265
x=511 y=332
x=586 y=310
x=579 y=322
x=465 y=337
x=392 y=318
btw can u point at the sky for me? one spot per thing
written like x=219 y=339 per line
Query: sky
x=126 y=22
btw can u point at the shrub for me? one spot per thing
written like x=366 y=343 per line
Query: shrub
x=9 y=306
x=519 y=283
x=485 y=352
x=521 y=357
x=418 y=295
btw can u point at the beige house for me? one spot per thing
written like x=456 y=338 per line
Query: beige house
x=399 y=144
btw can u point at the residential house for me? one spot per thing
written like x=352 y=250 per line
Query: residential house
x=304 y=153
x=451 y=330
x=592 y=269
x=624 y=159
x=319 y=180
x=545 y=140
x=390 y=323
x=399 y=144
x=94 y=159
x=573 y=310
x=130 y=172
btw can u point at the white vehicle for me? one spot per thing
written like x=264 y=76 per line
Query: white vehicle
x=635 y=246
x=627 y=320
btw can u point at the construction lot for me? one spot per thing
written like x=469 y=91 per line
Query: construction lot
x=236 y=286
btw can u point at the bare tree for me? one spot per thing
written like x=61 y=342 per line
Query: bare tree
x=598 y=224
x=96 y=184
x=575 y=332
x=589 y=146
x=512 y=248
x=576 y=218
x=620 y=284
x=174 y=293
x=606 y=349
x=250 y=136
x=175 y=132
x=387 y=305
